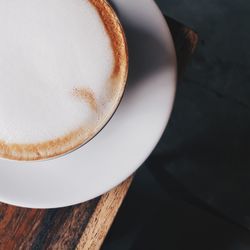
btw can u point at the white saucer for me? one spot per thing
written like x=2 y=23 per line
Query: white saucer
x=128 y=139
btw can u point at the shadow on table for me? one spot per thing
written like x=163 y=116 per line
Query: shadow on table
x=178 y=226
x=206 y=148
x=150 y=219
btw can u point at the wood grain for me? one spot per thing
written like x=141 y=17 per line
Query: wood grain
x=19 y=226
x=106 y=210
x=185 y=41
x=83 y=226
x=22 y=228
x=62 y=228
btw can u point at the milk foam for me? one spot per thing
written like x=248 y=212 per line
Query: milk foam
x=48 y=48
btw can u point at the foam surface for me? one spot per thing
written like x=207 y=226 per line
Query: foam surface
x=55 y=58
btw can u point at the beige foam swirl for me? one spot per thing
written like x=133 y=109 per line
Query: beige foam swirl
x=74 y=139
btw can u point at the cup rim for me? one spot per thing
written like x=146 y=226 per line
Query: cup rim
x=113 y=110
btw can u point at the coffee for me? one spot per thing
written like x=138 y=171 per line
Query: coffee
x=63 y=68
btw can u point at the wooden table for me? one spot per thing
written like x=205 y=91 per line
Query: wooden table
x=83 y=226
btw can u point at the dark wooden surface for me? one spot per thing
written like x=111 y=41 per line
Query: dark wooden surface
x=83 y=226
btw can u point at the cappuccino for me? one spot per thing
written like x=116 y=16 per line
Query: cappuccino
x=63 y=69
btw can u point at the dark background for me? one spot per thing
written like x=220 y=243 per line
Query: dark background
x=206 y=146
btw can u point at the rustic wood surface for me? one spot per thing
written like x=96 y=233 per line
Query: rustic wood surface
x=83 y=226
